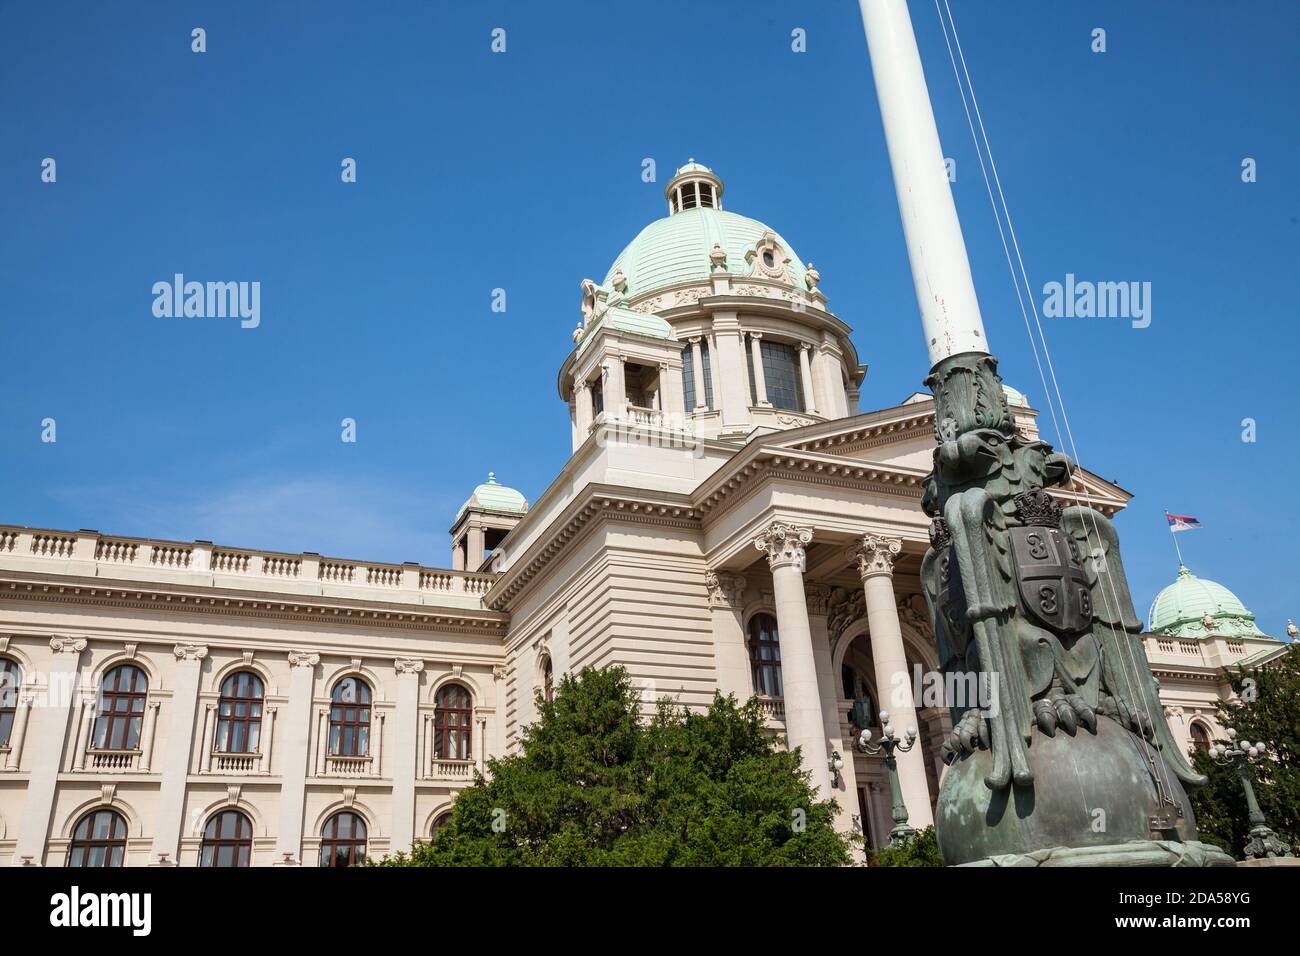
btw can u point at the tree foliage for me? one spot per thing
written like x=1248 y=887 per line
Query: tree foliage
x=594 y=785
x=920 y=849
x=1268 y=711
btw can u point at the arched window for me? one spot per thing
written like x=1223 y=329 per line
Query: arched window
x=453 y=716
x=548 y=681
x=1200 y=737
x=227 y=840
x=121 y=708
x=440 y=823
x=350 y=718
x=765 y=656
x=343 y=840
x=11 y=678
x=99 y=839
x=239 y=714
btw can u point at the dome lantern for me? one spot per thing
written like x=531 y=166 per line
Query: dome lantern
x=693 y=187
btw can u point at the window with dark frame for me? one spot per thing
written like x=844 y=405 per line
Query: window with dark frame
x=343 y=840
x=98 y=840
x=1200 y=739
x=453 y=716
x=11 y=679
x=350 y=718
x=688 y=376
x=239 y=714
x=781 y=374
x=122 y=697
x=765 y=656
x=227 y=841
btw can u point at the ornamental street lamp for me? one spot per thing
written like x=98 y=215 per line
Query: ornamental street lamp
x=889 y=743
x=1263 y=841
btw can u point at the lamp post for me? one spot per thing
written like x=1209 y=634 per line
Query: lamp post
x=1263 y=841
x=889 y=743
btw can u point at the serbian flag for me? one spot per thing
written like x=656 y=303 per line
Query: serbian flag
x=1182 y=522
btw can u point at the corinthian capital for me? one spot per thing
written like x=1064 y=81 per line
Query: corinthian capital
x=67 y=645
x=785 y=544
x=876 y=554
x=726 y=588
x=190 y=652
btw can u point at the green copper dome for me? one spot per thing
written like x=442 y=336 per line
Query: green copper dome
x=491 y=496
x=676 y=249
x=1181 y=610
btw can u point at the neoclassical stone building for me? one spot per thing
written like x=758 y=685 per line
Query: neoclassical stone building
x=729 y=519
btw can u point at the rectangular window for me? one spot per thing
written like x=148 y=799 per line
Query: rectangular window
x=688 y=376
x=781 y=375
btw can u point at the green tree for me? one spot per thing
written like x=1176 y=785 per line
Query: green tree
x=919 y=849
x=1268 y=711
x=596 y=786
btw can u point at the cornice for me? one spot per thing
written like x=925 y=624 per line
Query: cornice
x=17 y=586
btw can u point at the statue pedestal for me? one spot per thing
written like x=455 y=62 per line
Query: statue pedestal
x=1091 y=804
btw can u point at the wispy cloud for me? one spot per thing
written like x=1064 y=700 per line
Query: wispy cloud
x=357 y=517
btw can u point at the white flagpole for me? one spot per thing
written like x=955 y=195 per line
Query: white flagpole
x=1173 y=535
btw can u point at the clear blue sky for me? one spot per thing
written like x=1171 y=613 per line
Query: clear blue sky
x=522 y=171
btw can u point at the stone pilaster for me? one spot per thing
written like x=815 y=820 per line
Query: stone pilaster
x=726 y=596
x=49 y=735
x=295 y=746
x=406 y=737
x=175 y=767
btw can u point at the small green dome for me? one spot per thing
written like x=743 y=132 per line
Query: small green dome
x=1014 y=396
x=1181 y=609
x=676 y=249
x=491 y=496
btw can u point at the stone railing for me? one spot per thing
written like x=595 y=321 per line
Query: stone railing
x=772 y=708
x=451 y=769
x=89 y=553
x=340 y=766
x=236 y=763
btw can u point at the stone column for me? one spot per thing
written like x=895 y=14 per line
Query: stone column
x=806 y=379
x=267 y=739
x=474 y=548
x=84 y=729
x=208 y=737
x=176 y=761
x=18 y=732
x=805 y=729
x=406 y=746
x=480 y=740
x=760 y=383
x=150 y=728
x=48 y=739
x=585 y=412
x=726 y=596
x=458 y=555
x=295 y=748
x=322 y=741
x=893 y=682
x=697 y=368
x=614 y=388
